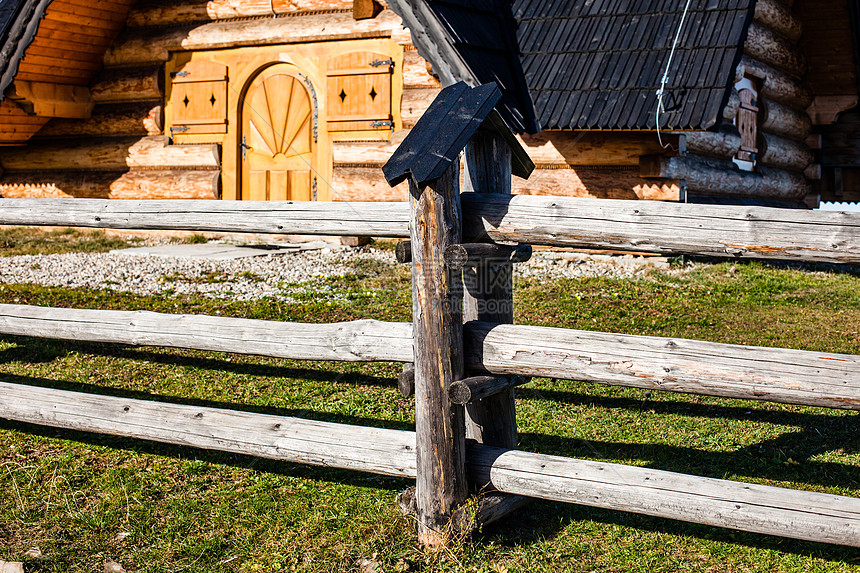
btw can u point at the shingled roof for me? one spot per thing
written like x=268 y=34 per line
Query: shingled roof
x=19 y=22
x=587 y=64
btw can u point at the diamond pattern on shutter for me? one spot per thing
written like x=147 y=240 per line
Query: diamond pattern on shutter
x=359 y=92
x=198 y=98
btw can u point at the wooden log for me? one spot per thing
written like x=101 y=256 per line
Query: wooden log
x=376 y=450
x=364 y=9
x=718 y=177
x=406 y=380
x=811 y=516
x=128 y=84
x=667 y=228
x=149 y=46
x=603 y=182
x=478 y=254
x=150 y=184
x=697 y=367
x=774 y=50
x=416 y=71
x=778 y=18
x=774 y=118
x=357 y=341
x=774 y=151
x=165 y=13
x=642 y=226
x=125 y=119
x=476 y=388
x=275 y=217
x=118 y=154
x=441 y=485
x=488 y=290
x=403 y=252
x=676 y=365
x=365 y=183
x=775 y=84
x=415 y=102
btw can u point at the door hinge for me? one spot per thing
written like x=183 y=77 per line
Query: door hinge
x=179 y=128
x=243 y=145
x=181 y=74
x=385 y=123
x=377 y=63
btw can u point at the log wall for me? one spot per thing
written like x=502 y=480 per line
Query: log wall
x=775 y=62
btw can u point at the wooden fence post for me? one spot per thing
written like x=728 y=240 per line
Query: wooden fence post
x=488 y=289
x=441 y=485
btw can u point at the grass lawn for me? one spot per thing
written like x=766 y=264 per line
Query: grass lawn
x=84 y=499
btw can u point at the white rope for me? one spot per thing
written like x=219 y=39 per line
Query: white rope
x=665 y=79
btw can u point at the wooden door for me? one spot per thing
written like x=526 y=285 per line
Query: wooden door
x=276 y=139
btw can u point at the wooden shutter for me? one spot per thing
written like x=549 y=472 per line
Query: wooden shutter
x=747 y=124
x=198 y=98
x=358 y=92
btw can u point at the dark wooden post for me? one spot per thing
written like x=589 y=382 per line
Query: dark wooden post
x=429 y=158
x=441 y=485
x=489 y=289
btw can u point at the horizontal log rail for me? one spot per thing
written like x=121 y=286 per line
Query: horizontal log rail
x=646 y=226
x=357 y=341
x=671 y=364
x=762 y=509
x=765 y=509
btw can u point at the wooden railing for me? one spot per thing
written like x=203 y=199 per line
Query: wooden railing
x=780 y=375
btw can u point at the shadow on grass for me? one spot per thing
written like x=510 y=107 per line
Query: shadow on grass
x=43 y=351
x=540 y=520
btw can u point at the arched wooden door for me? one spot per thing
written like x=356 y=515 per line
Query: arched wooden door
x=276 y=142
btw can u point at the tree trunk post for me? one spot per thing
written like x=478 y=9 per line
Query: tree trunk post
x=489 y=290
x=441 y=485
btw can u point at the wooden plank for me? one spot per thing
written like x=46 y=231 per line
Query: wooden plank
x=811 y=516
x=357 y=341
x=377 y=450
x=169 y=13
x=676 y=365
x=441 y=486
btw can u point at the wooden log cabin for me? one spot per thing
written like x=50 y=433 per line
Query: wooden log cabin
x=307 y=99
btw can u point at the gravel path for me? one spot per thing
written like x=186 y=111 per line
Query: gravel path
x=272 y=275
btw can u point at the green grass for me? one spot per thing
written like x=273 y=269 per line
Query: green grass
x=33 y=241
x=76 y=495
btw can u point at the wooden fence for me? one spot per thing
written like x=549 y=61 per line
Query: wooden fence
x=467 y=357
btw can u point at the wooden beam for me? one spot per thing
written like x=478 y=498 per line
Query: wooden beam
x=758 y=373
x=149 y=46
x=722 y=178
x=376 y=450
x=357 y=341
x=163 y=13
x=477 y=388
x=124 y=119
x=147 y=184
x=117 y=154
x=676 y=365
x=806 y=515
x=480 y=254
x=774 y=151
x=778 y=18
x=774 y=50
x=441 y=486
x=642 y=226
x=52 y=100
x=774 y=118
x=129 y=84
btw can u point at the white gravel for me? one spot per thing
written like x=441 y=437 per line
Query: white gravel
x=276 y=276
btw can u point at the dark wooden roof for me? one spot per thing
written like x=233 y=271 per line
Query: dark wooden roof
x=19 y=22
x=439 y=136
x=594 y=64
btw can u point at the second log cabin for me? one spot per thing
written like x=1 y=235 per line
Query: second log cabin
x=306 y=99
